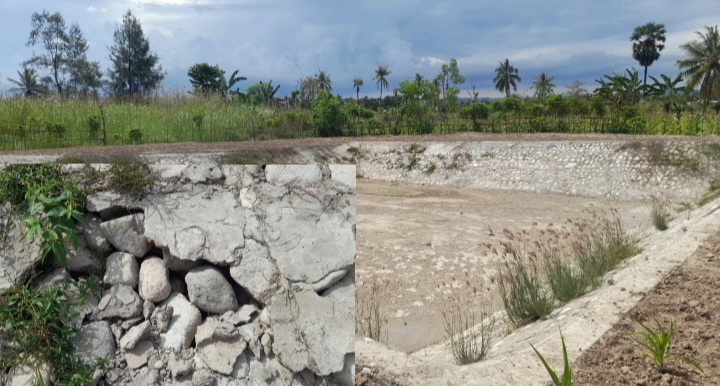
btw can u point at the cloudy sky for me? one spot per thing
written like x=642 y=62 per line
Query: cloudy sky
x=282 y=40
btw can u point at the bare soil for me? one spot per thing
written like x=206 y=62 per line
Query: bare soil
x=690 y=297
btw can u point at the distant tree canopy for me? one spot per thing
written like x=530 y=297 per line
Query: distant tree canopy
x=207 y=79
x=64 y=56
x=135 y=71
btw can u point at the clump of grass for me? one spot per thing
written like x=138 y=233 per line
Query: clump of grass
x=246 y=158
x=39 y=323
x=129 y=177
x=468 y=341
x=712 y=193
x=369 y=321
x=659 y=213
x=521 y=288
x=566 y=281
x=657 y=344
x=566 y=379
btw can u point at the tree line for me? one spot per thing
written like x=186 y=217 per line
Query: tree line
x=135 y=72
x=62 y=58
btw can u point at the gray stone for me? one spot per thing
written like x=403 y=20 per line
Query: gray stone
x=309 y=241
x=126 y=234
x=346 y=376
x=93 y=235
x=121 y=301
x=266 y=342
x=160 y=319
x=178 y=265
x=121 y=268
x=243 y=315
x=327 y=327
x=134 y=335
x=95 y=341
x=80 y=259
x=138 y=355
x=52 y=278
x=300 y=174
x=218 y=346
x=145 y=377
x=18 y=254
x=26 y=375
x=210 y=291
x=154 y=282
x=256 y=272
x=345 y=174
x=109 y=204
x=183 y=324
x=179 y=365
x=197 y=227
x=251 y=333
x=204 y=173
x=148 y=308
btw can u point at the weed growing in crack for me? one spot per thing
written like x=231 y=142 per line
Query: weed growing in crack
x=657 y=344
x=369 y=321
x=39 y=325
x=129 y=177
x=468 y=339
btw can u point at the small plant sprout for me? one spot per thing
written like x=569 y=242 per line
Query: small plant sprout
x=566 y=379
x=657 y=344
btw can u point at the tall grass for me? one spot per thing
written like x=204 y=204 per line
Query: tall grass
x=46 y=123
x=559 y=266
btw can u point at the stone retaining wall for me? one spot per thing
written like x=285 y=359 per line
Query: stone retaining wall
x=219 y=275
x=676 y=170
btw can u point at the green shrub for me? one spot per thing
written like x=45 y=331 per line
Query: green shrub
x=329 y=116
x=657 y=345
x=475 y=111
x=135 y=135
x=93 y=124
x=659 y=214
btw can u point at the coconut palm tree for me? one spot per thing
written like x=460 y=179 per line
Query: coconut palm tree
x=647 y=42
x=419 y=79
x=506 y=77
x=27 y=83
x=381 y=82
x=543 y=86
x=357 y=83
x=702 y=66
x=324 y=81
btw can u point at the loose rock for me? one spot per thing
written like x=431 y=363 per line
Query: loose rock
x=210 y=291
x=154 y=280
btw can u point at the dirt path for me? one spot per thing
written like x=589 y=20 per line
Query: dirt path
x=425 y=246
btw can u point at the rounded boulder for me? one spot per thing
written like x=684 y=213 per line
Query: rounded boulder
x=154 y=280
x=209 y=291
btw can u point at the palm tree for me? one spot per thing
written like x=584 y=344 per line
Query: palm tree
x=27 y=83
x=357 y=83
x=506 y=77
x=543 y=86
x=419 y=79
x=703 y=64
x=381 y=82
x=324 y=81
x=647 y=42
